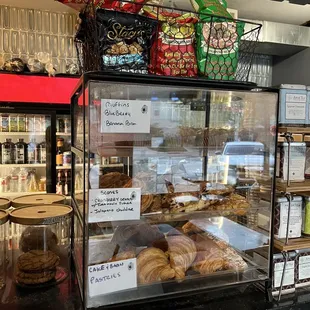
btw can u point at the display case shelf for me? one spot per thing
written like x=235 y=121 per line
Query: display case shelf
x=295 y=187
x=300 y=130
x=292 y=245
x=23 y=166
x=64 y=134
x=23 y=133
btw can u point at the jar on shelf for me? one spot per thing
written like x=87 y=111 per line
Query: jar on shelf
x=3 y=247
x=41 y=244
x=4 y=203
x=38 y=199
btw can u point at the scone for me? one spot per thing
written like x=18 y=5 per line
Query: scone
x=37 y=261
x=114 y=180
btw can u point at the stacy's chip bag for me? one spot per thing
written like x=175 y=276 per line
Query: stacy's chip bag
x=218 y=39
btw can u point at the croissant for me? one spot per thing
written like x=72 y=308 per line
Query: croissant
x=153 y=266
x=123 y=256
x=182 y=252
x=210 y=257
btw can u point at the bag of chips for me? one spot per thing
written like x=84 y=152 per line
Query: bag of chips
x=124 y=40
x=218 y=39
x=173 y=53
x=134 y=6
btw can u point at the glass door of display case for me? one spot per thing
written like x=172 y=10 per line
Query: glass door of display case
x=25 y=157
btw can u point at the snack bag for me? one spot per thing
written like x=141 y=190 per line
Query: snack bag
x=218 y=40
x=134 y=6
x=173 y=52
x=124 y=40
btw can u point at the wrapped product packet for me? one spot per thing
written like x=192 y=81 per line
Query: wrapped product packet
x=124 y=40
x=173 y=51
x=218 y=38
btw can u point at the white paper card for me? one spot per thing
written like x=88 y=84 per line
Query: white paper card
x=125 y=116
x=295 y=110
x=112 y=277
x=117 y=204
x=304 y=268
x=289 y=274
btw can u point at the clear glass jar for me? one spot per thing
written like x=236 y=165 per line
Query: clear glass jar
x=3 y=247
x=41 y=242
x=37 y=200
x=4 y=203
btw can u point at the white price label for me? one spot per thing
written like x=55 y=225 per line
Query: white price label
x=295 y=110
x=112 y=277
x=125 y=116
x=117 y=204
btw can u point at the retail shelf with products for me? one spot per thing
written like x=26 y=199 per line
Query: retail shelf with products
x=24 y=133
x=199 y=202
x=294 y=187
x=23 y=166
x=292 y=245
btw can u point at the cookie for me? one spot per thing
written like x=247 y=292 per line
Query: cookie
x=37 y=260
x=114 y=180
x=35 y=278
x=37 y=238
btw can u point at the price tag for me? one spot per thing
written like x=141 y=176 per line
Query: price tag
x=118 y=204
x=112 y=277
x=125 y=116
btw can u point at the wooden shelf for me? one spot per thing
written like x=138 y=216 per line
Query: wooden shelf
x=23 y=166
x=294 y=129
x=64 y=134
x=293 y=244
x=294 y=187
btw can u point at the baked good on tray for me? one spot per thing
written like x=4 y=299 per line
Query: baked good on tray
x=153 y=265
x=114 y=180
x=36 y=267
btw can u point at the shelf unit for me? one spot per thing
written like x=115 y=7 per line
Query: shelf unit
x=293 y=244
x=23 y=133
x=23 y=166
x=64 y=134
x=300 y=187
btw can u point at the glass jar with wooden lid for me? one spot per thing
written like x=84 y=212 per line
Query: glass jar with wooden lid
x=4 y=203
x=41 y=244
x=3 y=247
x=37 y=199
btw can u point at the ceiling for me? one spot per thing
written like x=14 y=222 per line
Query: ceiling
x=251 y=9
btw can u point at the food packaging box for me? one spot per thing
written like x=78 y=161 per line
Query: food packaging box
x=281 y=217
x=297 y=162
x=307 y=167
x=293 y=105
x=302 y=262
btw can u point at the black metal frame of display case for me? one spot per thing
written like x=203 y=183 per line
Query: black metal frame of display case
x=266 y=283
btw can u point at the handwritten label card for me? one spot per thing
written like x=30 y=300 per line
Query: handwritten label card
x=118 y=204
x=125 y=116
x=112 y=277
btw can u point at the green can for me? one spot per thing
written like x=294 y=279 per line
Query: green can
x=306 y=216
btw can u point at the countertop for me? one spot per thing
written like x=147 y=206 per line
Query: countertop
x=66 y=296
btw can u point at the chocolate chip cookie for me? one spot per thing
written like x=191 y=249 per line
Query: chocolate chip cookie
x=37 y=261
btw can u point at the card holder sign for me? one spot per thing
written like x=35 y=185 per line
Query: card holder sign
x=117 y=204
x=112 y=277
x=125 y=116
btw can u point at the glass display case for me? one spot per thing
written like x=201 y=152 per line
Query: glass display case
x=186 y=204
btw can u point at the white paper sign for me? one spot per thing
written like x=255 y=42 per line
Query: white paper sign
x=289 y=274
x=112 y=277
x=125 y=116
x=117 y=204
x=295 y=110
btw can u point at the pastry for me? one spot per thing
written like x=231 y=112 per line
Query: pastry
x=123 y=256
x=35 y=278
x=146 y=201
x=37 y=238
x=233 y=260
x=114 y=180
x=156 y=204
x=190 y=227
x=182 y=253
x=218 y=189
x=153 y=266
x=37 y=261
x=236 y=203
x=169 y=186
x=209 y=258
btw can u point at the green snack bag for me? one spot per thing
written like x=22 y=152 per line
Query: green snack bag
x=217 y=40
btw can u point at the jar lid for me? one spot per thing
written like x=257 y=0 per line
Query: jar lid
x=37 y=199
x=40 y=215
x=3 y=216
x=5 y=203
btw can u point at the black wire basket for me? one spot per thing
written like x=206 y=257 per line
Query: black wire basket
x=158 y=40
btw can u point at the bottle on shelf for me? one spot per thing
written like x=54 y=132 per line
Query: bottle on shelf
x=42 y=152
x=21 y=152
x=21 y=123
x=14 y=181
x=32 y=152
x=22 y=180
x=33 y=184
x=61 y=125
x=7 y=151
x=66 y=125
x=59 y=152
x=67 y=185
x=5 y=123
x=13 y=123
x=42 y=184
x=60 y=184
x=30 y=123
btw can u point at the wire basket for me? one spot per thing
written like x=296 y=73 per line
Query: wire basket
x=165 y=41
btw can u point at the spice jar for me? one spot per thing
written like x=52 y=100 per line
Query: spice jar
x=41 y=243
x=38 y=199
x=3 y=246
x=4 y=203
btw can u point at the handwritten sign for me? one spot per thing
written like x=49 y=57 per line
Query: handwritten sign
x=118 y=204
x=112 y=277
x=125 y=116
